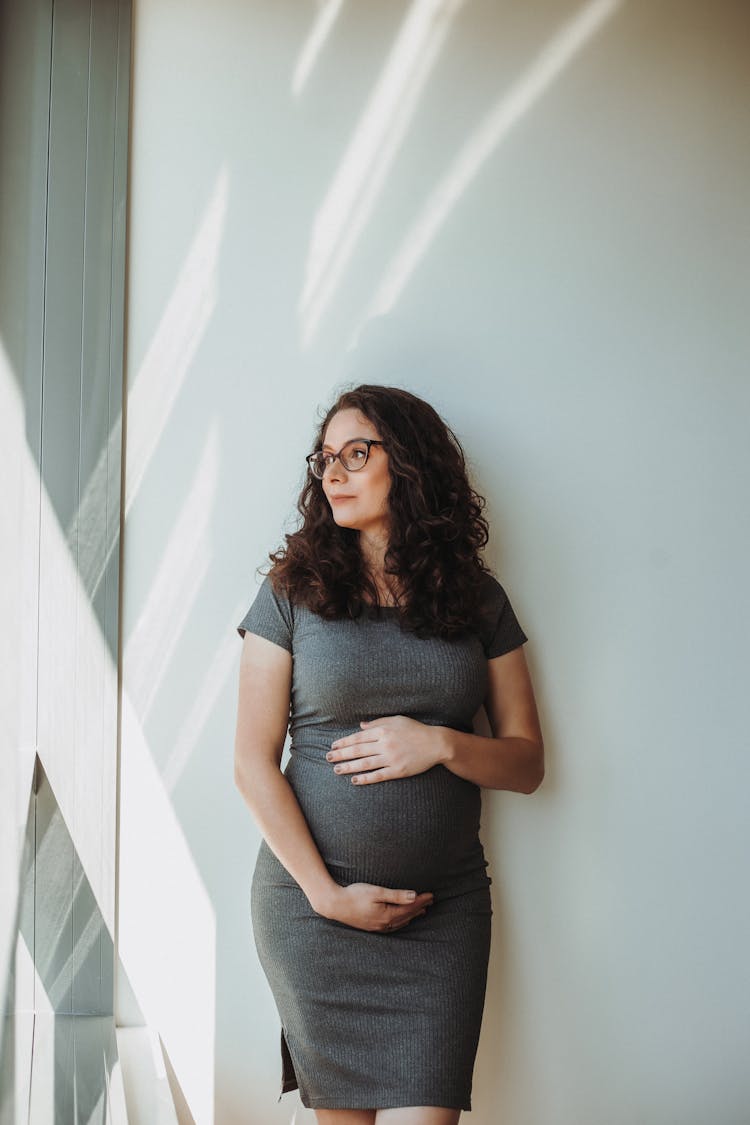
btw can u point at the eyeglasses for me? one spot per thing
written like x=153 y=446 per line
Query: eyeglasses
x=353 y=456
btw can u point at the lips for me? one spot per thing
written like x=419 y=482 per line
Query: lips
x=335 y=499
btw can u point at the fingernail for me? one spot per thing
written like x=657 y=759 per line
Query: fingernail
x=329 y=757
x=337 y=769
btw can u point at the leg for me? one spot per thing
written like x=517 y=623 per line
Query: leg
x=418 y=1115
x=345 y=1116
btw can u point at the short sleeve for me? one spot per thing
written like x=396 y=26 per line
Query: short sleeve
x=270 y=616
x=501 y=631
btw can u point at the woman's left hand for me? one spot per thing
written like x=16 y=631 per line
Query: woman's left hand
x=386 y=749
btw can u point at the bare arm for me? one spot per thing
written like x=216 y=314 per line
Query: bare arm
x=514 y=757
x=262 y=719
x=397 y=746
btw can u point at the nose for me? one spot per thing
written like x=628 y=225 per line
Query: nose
x=336 y=471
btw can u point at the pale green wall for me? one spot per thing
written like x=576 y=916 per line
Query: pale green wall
x=551 y=222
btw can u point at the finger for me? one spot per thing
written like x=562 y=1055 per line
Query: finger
x=416 y=914
x=397 y=897
x=341 y=745
x=395 y=917
x=354 y=758
x=400 y=919
x=399 y=913
x=392 y=896
x=355 y=764
x=369 y=735
x=383 y=774
x=399 y=923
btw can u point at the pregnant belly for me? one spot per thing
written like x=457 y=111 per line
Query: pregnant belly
x=420 y=833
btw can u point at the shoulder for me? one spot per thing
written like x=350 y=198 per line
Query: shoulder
x=499 y=628
x=274 y=588
x=492 y=595
x=273 y=591
x=271 y=614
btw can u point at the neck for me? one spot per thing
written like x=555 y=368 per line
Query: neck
x=373 y=548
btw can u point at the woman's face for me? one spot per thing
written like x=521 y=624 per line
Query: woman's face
x=358 y=499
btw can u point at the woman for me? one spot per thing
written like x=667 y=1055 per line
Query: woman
x=382 y=629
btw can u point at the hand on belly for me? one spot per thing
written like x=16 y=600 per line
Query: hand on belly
x=408 y=833
x=387 y=749
x=368 y=907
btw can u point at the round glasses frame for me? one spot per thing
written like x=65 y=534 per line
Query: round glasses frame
x=320 y=461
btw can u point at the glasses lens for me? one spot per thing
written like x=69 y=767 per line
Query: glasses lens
x=354 y=455
x=317 y=463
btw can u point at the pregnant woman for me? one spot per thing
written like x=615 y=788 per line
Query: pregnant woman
x=376 y=637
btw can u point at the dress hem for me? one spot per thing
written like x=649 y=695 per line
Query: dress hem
x=397 y=1102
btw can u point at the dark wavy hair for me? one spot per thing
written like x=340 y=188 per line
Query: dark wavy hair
x=437 y=529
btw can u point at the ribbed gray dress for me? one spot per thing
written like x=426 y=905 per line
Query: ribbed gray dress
x=374 y=1020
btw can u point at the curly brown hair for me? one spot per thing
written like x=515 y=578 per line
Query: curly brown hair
x=437 y=529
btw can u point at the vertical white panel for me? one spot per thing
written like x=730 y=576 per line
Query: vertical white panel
x=63 y=133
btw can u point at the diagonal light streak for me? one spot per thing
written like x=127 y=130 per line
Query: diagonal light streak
x=503 y=116
x=174 y=587
x=154 y=392
x=183 y=323
x=377 y=139
x=316 y=40
x=220 y=668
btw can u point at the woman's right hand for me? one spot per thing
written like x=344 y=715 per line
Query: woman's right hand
x=369 y=907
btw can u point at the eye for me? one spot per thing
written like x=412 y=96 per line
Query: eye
x=319 y=462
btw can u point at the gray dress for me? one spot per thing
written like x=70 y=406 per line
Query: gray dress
x=375 y=1020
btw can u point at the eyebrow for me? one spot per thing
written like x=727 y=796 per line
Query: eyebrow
x=357 y=438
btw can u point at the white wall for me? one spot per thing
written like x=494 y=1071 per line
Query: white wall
x=535 y=216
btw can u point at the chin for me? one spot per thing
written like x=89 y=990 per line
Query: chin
x=351 y=524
